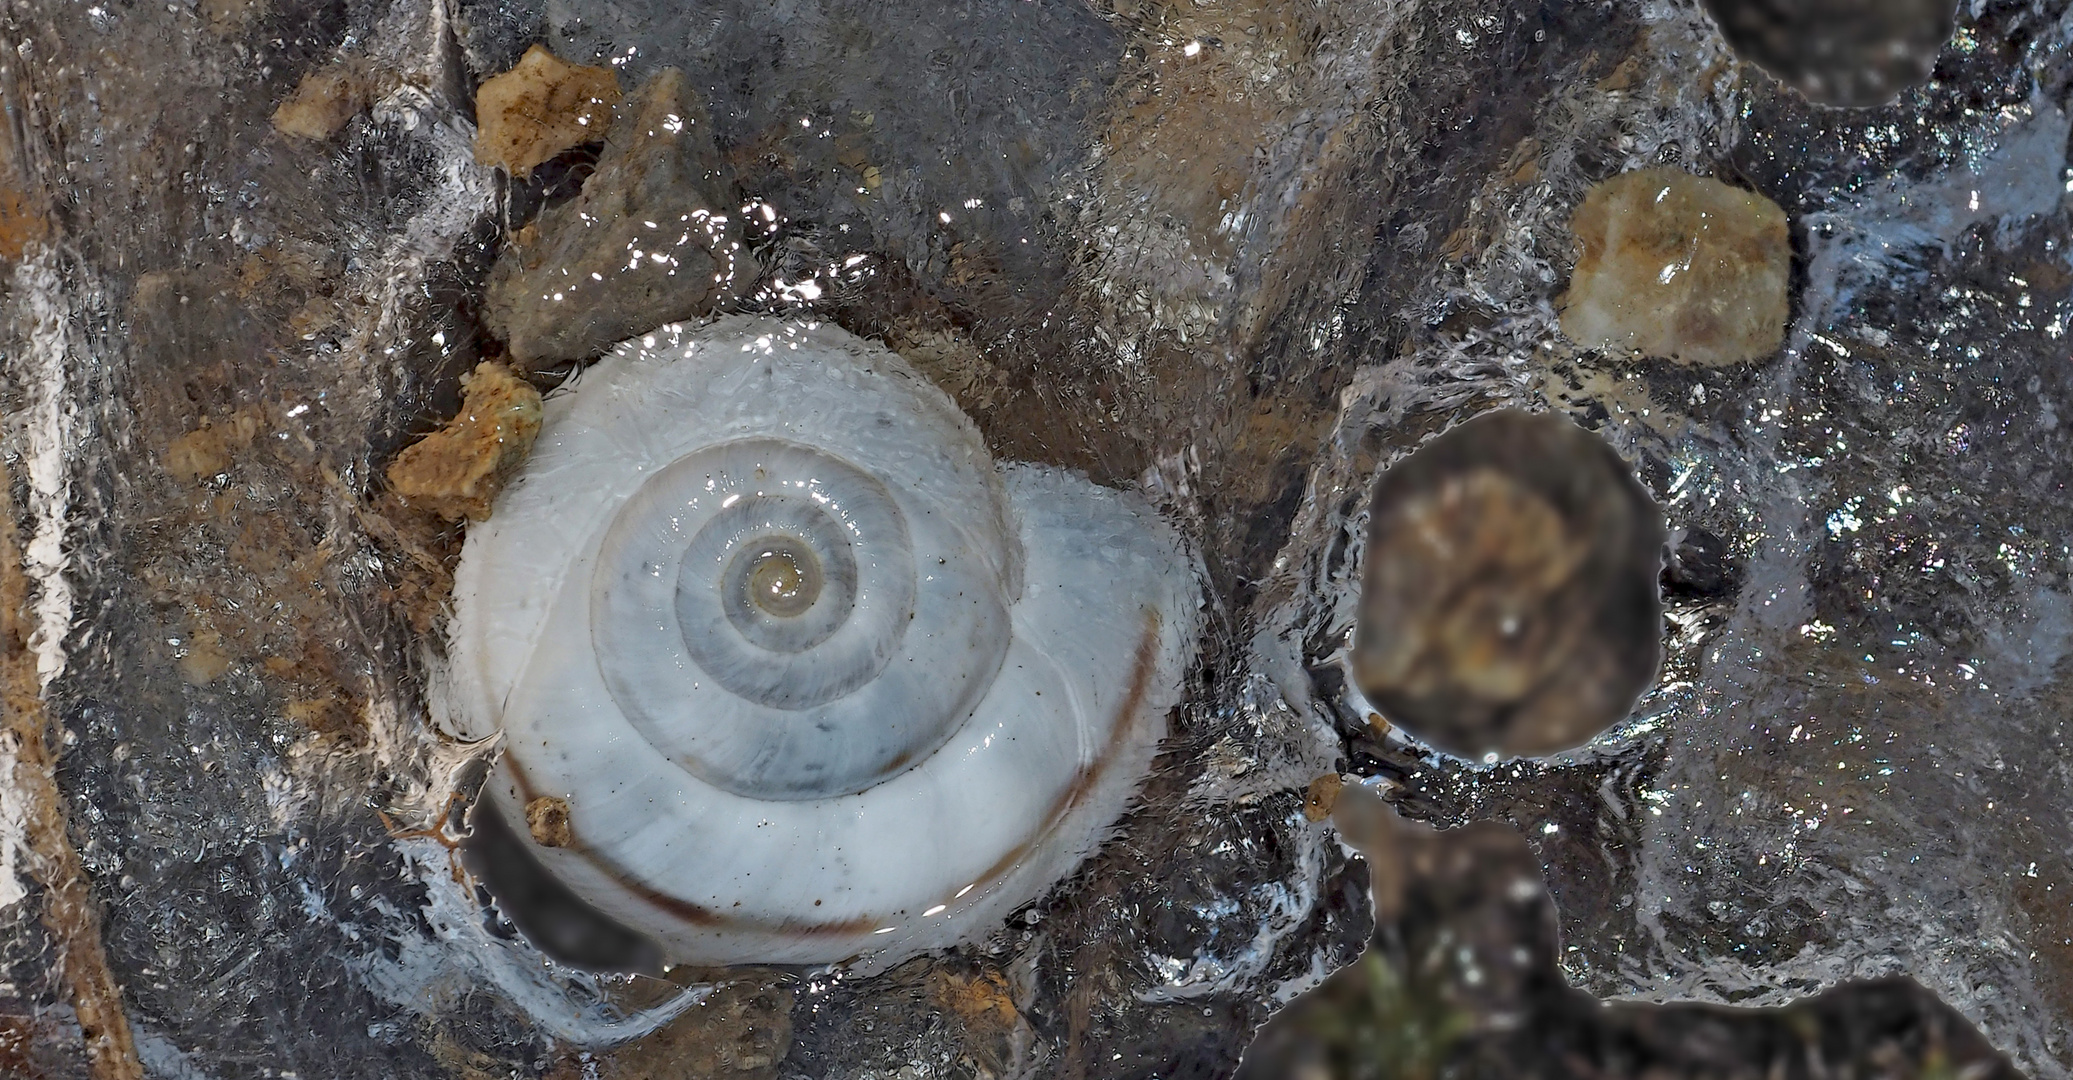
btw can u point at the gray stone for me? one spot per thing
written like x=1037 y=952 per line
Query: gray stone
x=655 y=237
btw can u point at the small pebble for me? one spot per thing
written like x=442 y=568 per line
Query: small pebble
x=1681 y=267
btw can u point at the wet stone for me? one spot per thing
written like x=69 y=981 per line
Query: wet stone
x=1509 y=597
x=547 y=818
x=996 y=1038
x=1681 y=267
x=211 y=448
x=1462 y=978
x=457 y=471
x=325 y=100
x=742 y=1031
x=541 y=107
x=1322 y=794
x=22 y=222
x=652 y=239
x=1699 y=565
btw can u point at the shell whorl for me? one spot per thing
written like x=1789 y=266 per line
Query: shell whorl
x=814 y=677
x=763 y=700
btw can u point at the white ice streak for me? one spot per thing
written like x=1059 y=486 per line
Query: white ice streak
x=47 y=428
x=14 y=821
x=460 y=956
x=1291 y=746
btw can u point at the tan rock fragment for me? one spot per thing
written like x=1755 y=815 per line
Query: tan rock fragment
x=228 y=17
x=541 y=107
x=1322 y=796
x=741 y=1032
x=21 y=224
x=456 y=471
x=547 y=818
x=653 y=239
x=22 y=211
x=325 y=713
x=979 y=1000
x=325 y=100
x=210 y=448
x=204 y=657
x=1679 y=266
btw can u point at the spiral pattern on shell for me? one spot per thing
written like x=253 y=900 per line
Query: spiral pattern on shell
x=813 y=677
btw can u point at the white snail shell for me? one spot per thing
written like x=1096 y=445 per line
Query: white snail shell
x=816 y=679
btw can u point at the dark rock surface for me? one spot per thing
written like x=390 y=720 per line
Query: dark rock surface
x=654 y=237
x=1462 y=979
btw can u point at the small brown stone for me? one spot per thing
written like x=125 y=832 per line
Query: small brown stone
x=20 y=224
x=547 y=817
x=205 y=658
x=324 y=101
x=328 y=713
x=653 y=238
x=457 y=471
x=1681 y=267
x=742 y=1032
x=227 y=17
x=210 y=448
x=991 y=1031
x=543 y=106
x=23 y=222
x=980 y=1000
x=1322 y=796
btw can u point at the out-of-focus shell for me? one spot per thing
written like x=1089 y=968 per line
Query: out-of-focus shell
x=1509 y=594
x=1859 y=53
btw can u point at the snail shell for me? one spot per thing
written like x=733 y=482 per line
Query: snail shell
x=1509 y=598
x=811 y=677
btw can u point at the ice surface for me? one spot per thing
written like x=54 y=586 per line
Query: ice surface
x=1238 y=255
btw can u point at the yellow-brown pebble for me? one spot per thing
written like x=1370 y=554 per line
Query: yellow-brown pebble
x=210 y=448
x=1681 y=267
x=457 y=471
x=741 y=1032
x=324 y=101
x=23 y=223
x=1322 y=796
x=547 y=818
x=541 y=107
x=980 y=1000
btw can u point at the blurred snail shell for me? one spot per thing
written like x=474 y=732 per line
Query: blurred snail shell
x=1509 y=591
x=796 y=672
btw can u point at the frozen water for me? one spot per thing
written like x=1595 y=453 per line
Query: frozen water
x=1856 y=765
x=1241 y=255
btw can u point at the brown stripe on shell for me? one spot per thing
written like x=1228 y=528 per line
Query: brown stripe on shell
x=1084 y=781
